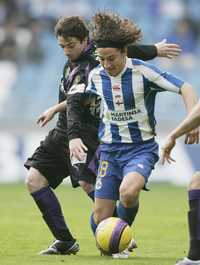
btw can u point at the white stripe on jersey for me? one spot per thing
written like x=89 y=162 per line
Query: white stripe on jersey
x=138 y=92
x=119 y=106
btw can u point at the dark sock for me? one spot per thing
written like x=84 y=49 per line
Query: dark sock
x=92 y=223
x=51 y=211
x=194 y=224
x=115 y=212
x=91 y=195
x=127 y=214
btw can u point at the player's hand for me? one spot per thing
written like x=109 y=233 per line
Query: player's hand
x=192 y=137
x=166 y=150
x=45 y=117
x=168 y=50
x=77 y=148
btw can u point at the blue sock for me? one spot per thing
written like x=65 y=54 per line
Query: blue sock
x=127 y=214
x=91 y=195
x=194 y=224
x=51 y=211
x=92 y=224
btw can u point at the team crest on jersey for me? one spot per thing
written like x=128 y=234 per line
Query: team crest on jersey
x=77 y=79
x=118 y=100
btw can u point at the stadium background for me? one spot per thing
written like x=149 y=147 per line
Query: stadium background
x=31 y=67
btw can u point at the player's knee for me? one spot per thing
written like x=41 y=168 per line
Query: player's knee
x=30 y=183
x=98 y=216
x=87 y=187
x=35 y=181
x=101 y=214
x=128 y=196
x=195 y=181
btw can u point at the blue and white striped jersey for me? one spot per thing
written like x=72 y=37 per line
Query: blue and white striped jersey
x=128 y=100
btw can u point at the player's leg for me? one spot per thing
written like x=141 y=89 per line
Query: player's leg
x=88 y=188
x=128 y=205
x=193 y=256
x=49 y=206
x=106 y=192
x=44 y=171
x=47 y=202
x=103 y=208
x=129 y=191
x=194 y=217
x=136 y=171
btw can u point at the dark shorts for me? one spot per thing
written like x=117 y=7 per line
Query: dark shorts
x=52 y=159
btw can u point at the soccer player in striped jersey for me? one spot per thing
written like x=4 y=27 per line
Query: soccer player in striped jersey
x=190 y=122
x=127 y=88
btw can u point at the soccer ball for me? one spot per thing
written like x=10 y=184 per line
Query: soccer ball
x=113 y=235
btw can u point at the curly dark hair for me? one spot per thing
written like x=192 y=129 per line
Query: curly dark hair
x=73 y=26
x=110 y=27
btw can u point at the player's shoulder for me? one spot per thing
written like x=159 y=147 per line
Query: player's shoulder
x=138 y=62
x=145 y=66
x=136 y=65
x=95 y=71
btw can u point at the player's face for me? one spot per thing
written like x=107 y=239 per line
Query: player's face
x=113 y=60
x=72 y=47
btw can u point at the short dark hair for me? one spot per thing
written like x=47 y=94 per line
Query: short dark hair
x=111 y=28
x=72 y=26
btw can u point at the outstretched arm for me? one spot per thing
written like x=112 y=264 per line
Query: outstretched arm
x=189 y=123
x=148 y=52
x=190 y=100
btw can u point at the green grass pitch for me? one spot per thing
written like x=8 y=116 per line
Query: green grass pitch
x=160 y=228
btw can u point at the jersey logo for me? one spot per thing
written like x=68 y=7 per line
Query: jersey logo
x=120 y=117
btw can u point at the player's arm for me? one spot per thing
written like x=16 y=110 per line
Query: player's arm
x=190 y=100
x=148 y=52
x=191 y=122
x=48 y=114
x=76 y=102
x=75 y=105
x=164 y=81
x=74 y=114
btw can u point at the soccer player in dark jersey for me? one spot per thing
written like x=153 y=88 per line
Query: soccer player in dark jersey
x=191 y=121
x=50 y=163
x=127 y=88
